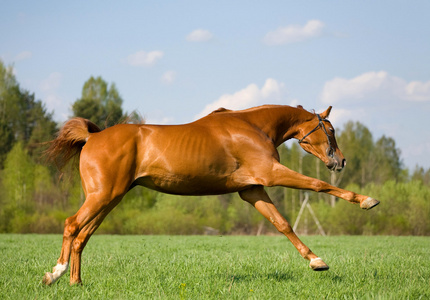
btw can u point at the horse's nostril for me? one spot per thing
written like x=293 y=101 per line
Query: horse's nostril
x=343 y=163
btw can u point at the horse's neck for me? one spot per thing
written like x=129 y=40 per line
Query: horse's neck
x=280 y=123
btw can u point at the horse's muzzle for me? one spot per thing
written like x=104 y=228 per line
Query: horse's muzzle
x=336 y=164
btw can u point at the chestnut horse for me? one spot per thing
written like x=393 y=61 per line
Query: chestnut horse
x=224 y=152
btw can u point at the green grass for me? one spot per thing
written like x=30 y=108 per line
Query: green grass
x=227 y=267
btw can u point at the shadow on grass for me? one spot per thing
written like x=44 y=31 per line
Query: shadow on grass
x=256 y=276
x=281 y=277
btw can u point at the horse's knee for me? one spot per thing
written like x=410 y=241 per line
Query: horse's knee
x=319 y=186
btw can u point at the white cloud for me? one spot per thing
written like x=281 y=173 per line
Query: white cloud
x=23 y=56
x=55 y=103
x=52 y=82
x=418 y=91
x=341 y=115
x=168 y=77
x=143 y=59
x=247 y=97
x=199 y=35
x=372 y=86
x=294 y=33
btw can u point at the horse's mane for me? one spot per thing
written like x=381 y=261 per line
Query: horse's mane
x=301 y=107
x=224 y=110
x=221 y=109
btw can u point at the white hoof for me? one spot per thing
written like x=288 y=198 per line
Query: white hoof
x=369 y=203
x=317 y=264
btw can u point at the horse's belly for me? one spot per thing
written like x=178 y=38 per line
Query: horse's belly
x=193 y=186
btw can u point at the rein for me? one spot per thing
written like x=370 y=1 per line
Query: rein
x=330 y=149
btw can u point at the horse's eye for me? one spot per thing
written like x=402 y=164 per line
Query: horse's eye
x=331 y=130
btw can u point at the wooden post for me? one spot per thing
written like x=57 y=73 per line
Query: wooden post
x=302 y=208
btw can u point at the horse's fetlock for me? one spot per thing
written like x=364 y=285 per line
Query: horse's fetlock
x=78 y=245
x=70 y=228
x=305 y=252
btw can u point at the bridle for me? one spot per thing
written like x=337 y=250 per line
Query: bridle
x=330 y=149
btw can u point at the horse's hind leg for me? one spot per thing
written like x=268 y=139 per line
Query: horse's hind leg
x=81 y=240
x=90 y=210
x=70 y=232
x=258 y=197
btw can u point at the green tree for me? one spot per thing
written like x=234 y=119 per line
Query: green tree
x=368 y=161
x=8 y=97
x=18 y=186
x=388 y=165
x=356 y=144
x=22 y=118
x=420 y=174
x=99 y=103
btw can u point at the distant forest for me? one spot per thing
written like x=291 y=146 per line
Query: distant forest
x=37 y=198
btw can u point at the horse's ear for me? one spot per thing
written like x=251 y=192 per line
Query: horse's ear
x=325 y=114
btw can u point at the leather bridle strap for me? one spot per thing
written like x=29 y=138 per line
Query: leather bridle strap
x=330 y=150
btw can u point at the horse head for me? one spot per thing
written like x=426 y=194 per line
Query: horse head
x=318 y=139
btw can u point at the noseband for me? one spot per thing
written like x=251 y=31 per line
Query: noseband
x=330 y=149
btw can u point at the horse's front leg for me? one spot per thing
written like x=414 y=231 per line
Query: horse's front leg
x=282 y=176
x=258 y=197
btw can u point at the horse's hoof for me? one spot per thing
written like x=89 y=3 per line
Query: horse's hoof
x=317 y=264
x=48 y=279
x=369 y=203
x=75 y=283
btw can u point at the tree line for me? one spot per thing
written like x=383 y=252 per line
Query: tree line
x=36 y=198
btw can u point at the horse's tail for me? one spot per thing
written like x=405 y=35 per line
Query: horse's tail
x=70 y=140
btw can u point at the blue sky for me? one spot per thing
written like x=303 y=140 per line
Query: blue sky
x=174 y=61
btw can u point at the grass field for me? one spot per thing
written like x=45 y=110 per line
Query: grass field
x=220 y=267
